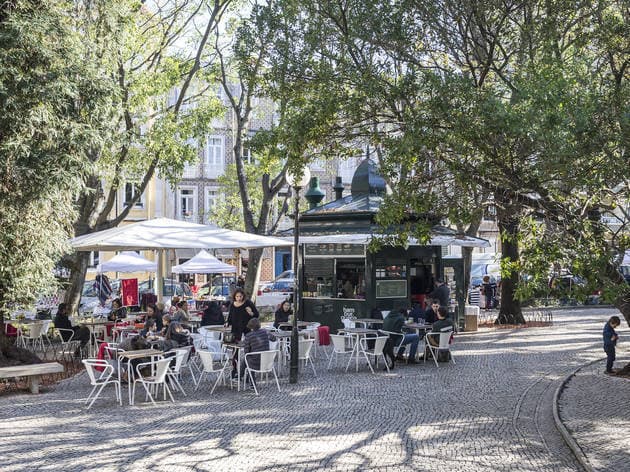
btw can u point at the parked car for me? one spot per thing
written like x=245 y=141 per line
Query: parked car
x=275 y=293
x=171 y=288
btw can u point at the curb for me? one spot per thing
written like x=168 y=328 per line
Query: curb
x=566 y=435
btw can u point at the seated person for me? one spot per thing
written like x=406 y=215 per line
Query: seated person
x=442 y=324
x=118 y=311
x=81 y=333
x=394 y=323
x=282 y=314
x=255 y=340
x=430 y=316
x=149 y=327
x=154 y=314
x=417 y=313
x=212 y=315
x=173 y=308
x=181 y=314
x=176 y=336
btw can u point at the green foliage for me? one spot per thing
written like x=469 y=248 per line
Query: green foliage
x=54 y=105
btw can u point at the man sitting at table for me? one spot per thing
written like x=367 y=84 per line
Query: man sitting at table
x=212 y=315
x=444 y=323
x=430 y=316
x=394 y=323
x=255 y=340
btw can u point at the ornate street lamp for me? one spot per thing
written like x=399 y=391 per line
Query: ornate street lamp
x=297 y=180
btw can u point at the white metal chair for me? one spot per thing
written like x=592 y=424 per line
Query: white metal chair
x=267 y=361
x=396 y=338
x=348 y=324
x=213 y=365
x=443 y=344
x=157 y=378
x=45 y=328
x=100 y=373
x=33 y=336
x=341 y=345
x=174 y=372
x=69 y=346
x=305 y=346
x=376 y=351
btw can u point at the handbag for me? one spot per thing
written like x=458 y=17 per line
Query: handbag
x=228 y=337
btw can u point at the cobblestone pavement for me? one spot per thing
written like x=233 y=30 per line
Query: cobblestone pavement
x=489 y=412
x=594 y=407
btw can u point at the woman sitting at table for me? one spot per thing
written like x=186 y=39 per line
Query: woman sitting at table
x=118 y=311
x=81 y=333
x=241 y=311
x=153 y=314
x=149 y=327
x=181 y=315
x=212 y=315
x=176 y=336
x=282 y=314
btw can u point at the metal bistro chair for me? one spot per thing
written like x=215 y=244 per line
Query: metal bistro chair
x=159 y=371
x=376 y=351
x=341 y=345
x=100 y=373
x=396 y=338
x=443 y=344
x=33 y=336
x=214 y=363
x=68 y=347
x=305 y=346
x=267 y=361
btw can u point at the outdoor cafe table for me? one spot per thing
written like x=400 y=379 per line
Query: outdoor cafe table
x=369 y=321
x=91 y=324
x=300 y=325
x=357 y=333
x=129 y=356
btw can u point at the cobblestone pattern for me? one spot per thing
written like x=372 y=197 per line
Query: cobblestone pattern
x=489 y=412
x=594 y=407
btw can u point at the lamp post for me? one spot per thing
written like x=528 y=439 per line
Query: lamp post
x=296 y=180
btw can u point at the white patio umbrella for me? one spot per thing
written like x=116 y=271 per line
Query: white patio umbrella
x=203 y=263
x=163 y=233
x=127 y=261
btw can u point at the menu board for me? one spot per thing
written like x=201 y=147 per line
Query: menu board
x=330 y=249
x=319 y=268
x=391 y=289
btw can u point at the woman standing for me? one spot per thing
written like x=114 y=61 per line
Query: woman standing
x=241 y=311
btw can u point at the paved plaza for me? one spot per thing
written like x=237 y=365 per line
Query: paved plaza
x=492 y=411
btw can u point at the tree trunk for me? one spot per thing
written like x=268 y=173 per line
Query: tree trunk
x=510 y=311
x=78 y=263
x=254 y=265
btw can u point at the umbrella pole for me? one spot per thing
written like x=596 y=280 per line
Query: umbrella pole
x=159 y=275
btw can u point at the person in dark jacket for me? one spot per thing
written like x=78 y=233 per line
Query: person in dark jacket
x=394 y=323
x=212 y=315
x=282 y=314
x=241 y=311
x=255 y=340
x=154 y=314
x=431 y=316
x=610 y=342
x=81 y=333
x=441 y=292
x=417 y=313
x=118 y=311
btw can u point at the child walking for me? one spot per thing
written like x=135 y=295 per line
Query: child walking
x=610 y=341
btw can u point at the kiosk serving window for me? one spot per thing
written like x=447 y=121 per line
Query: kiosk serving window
x=350 y=279
x=334 y=271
